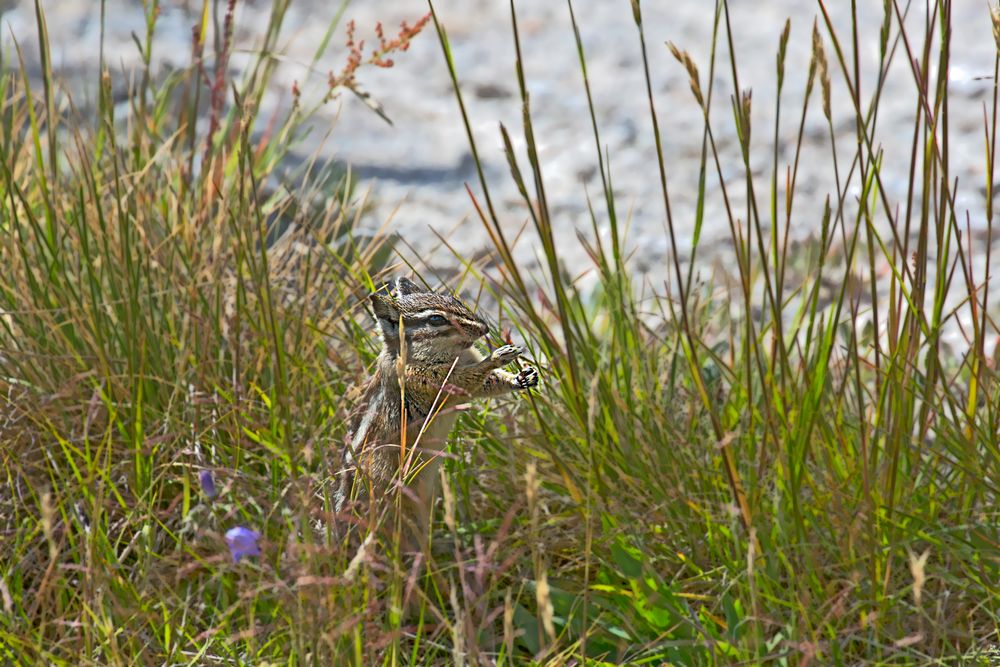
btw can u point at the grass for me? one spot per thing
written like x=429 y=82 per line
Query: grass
x=788 y=467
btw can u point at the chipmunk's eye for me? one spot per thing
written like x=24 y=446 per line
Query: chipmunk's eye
x=437 y=320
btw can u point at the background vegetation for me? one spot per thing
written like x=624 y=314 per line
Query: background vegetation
x=784 y=467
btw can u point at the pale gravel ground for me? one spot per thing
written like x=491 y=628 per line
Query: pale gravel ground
x=417 y=168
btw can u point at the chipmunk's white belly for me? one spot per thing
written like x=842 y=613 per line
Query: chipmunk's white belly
x=434 y=439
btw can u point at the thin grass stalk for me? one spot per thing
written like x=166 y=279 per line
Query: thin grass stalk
x=741 y=112
x=543 y=222
x=990 y=131
x=703 y=160
x=739 y=496
x=521 y=295
x=609 y=199
x=776 y=239
x=493 y=219
x=50 y=110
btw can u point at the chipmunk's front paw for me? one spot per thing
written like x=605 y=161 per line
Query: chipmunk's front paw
x=506 y=354
x=528 y=377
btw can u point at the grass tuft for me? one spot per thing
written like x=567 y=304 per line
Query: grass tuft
x=785 y=464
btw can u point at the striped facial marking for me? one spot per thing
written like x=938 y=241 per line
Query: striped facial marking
x=435 y=322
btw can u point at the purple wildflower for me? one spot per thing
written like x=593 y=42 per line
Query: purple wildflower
x=242 y=542
x=207 y=483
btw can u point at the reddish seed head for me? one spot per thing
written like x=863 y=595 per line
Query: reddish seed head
x=378 y=56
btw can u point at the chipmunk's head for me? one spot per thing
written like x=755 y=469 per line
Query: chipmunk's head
x=437 y=327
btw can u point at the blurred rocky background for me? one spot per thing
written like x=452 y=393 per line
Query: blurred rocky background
x=417 y=167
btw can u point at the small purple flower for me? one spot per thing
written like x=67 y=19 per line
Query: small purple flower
x=207 y=483
x=242 y=542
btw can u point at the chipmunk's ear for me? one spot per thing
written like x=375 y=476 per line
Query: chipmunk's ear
x=386 y=313
x=406 y=286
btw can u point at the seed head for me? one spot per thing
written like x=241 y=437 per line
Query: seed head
x=684 y=58
x=782 y=50
x=995 y=18
x=819 y=56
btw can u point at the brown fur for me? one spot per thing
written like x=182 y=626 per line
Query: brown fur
x=441 y=369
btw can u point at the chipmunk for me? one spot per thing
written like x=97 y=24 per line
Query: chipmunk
x=439 y=366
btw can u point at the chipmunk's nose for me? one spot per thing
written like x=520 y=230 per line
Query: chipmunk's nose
x=473 y=327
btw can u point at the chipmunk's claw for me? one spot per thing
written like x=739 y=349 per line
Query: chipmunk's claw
x=506 y=354
x=527 y=378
